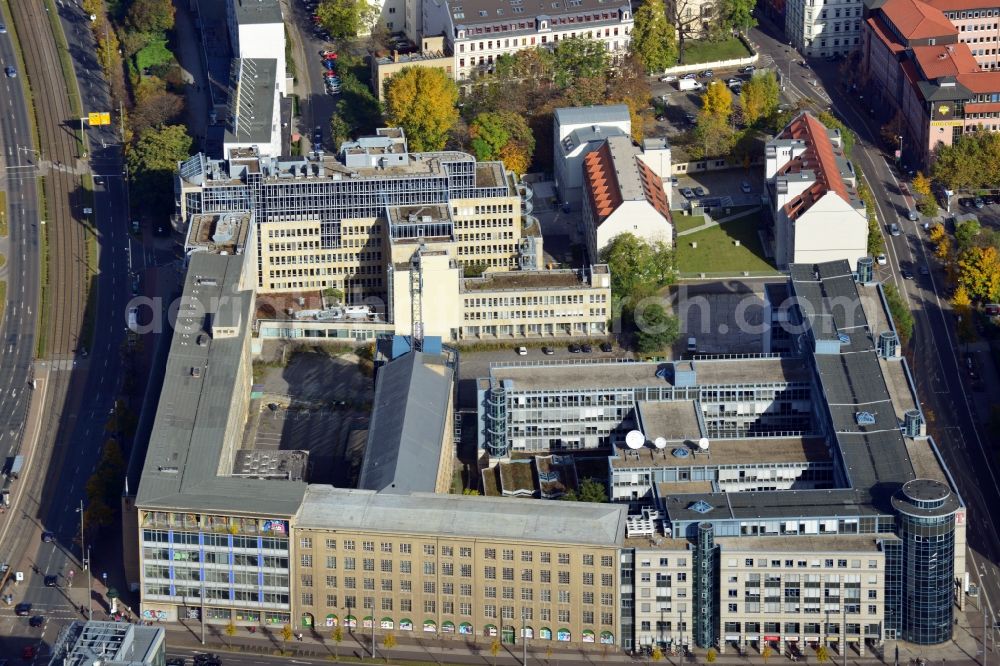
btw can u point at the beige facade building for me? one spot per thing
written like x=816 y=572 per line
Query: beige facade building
x=468 y=568
x=432 y=53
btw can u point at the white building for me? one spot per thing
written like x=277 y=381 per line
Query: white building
x=257 y=30
x=578 y=131
x=818 y=215
x=478 y=31
x=819 y=28
x=255 y=108
x=624 y=194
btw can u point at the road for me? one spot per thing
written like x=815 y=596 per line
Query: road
x=21 y=250
x=934 y=359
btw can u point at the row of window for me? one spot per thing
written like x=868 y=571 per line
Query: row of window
x=325 y=258
x=532 y=314
x=431 y=550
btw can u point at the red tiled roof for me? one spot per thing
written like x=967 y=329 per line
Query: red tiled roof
x=602 y=184
x=917 y=20
x=652 y=187
x=981 y=82
x=885 y=35
x=819 y=156
x=949 y=60
x=990 y=107
x=959 y=5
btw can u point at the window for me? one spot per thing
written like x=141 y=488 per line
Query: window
x=546 y=557
x=405 y=567
x=387 y=585
x=490 y=592
x=490 y=573
x=588 y=578
x=369 y=583
x=387 y=603
x=564 y=596
x=732 y=608
x=331 y=561
x=430 y=606
x=349 y=582
x=447 y=551
x=429 y=549
x=368 y=563
x=588 y=560
x=306 y=560
x=465 y=590
x=306 y=542
x=386 y=566
x=508 y=554
x=607 y=561
x=405 y=548
x=563 y=558
x=307 y=580
x=406 y=586
x=331 y=581
x=429 y=587
x=607 y=580
x=564 y=578
x=368 y=546
x=349 y=563
x=386 y=547
x=331 y=544
x=466 y=571
x=525 y=555
x=307 y=599
x=562 y=615
x=465 y=609
x=331 y=600
x=465 y=552
x=429 y=568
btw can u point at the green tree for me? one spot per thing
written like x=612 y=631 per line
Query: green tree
x=152 y=161
x=656 y=329
x=717 y=100
x=343 y=19
x=653 y=39
x=422 y=100
x=713 y=136
x=901 y=315
x=759 y=98
x=502 y=135
x=961 y=164
x=340 y=131
x=686 y=17
x=578 y=57
x=633 y=264
x=966 y=232
x=846 y=134
x=152 y=16
x=737 y=15
x=590 y=490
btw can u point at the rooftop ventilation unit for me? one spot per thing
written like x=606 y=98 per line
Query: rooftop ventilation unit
x=864 y=418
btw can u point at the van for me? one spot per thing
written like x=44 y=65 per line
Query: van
x=692 y=345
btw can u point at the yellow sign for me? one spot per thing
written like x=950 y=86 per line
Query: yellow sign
x=947 y=123
x=102 y=118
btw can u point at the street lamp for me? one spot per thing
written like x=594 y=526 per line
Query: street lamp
x=85 y=564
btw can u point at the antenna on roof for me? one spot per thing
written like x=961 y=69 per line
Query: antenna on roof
x=635 y=439
x=660 y=443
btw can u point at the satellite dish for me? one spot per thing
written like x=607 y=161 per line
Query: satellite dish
x=635 y=439
x=660 y=443
x=703 y=443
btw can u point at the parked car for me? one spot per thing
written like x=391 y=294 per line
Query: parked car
x=668 y=78
x=48 y=537
x=700 y=191
x=574 y=348
x=907 y=275
x=606 y=347
x=881 y=260
x=745 y=186
x=687 y=193
x=707 y=74
x=966 y=202
x=586 y=349
x=733 y=82
x=522 y=351
x=978 y=202
x=912 y=215
x=690 y=75
x=749 y=69
x=989 y=199
x=22 y=609
x=548 y=351
x=691 y=118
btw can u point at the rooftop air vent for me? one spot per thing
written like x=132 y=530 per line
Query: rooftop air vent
x=844 y=338
x=680 y=452
x=701 y=506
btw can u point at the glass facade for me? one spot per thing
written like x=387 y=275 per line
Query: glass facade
x=706 y=589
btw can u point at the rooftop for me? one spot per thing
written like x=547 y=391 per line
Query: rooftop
x=257 y=11
x=463 y=516
x=186 y=448
x=917 y=20
x=253 y=101
x=223 y=232
x=750 y=452
x=944 y=60
x=410 y=418
x=672 y=420
x=560 y=278
x=592 y=115
x=614 y=174
x=605 y=377
x=108 y=644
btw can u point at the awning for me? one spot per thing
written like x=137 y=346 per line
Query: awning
x=387 y=623
x=771 y=637
x=607 y=638
x=331 y=620
x=406 y=624
x=732 y=637
x=490 y=629
x=545 y=633
x=564 y=634
x=588 y=636
x=350 y=621
x=465 y=628
x=448 y=627
x=430 y=626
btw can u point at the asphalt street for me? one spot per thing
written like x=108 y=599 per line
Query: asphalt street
x=20 y=183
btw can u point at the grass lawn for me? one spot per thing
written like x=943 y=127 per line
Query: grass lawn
x=156 y=53
x=716 y=252
x=3 y=214
x=705 y=51
x=684 y=222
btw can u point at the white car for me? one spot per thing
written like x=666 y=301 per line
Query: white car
x=668 y=78
x=522 y=351
x=882 y=261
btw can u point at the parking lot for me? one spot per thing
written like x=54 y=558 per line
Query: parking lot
x=676 y=110
x=986 y=208
x=727 y=187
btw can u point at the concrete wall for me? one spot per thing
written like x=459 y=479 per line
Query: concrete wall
x=265 y=40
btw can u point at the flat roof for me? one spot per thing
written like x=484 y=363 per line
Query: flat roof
x=612 y=376
x=253 y=101
x=520 y=280
x=463 y=516
x=749 y=451
x=673 y=420
x=182 y=467
x=257 y=11
x=111 y=643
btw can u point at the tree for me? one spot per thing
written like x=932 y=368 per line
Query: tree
x=846 y=134
x=960 y=165
x=152 y=16
x=636 y=266
x=286 y=635
x=943 y=250
x=936 y=233
x=578 y=57
x=503 y=135
x=893 y=130
x=422 y=100
x=759 y=98
x=766 y=652
x=901 y=315
x=340 y=131
x=154 y=105
x=737 y=15
x=495 y=649
x=922 y=184
x=388 y=642
x=653 y=39
x=152 y=161
x=711 y=655
x=685 y=15
x=966 y=232
x=717 y=100
x=657 y=329
x=925 y=198
x=979 y=272
x=960 y=299
x=822 y=654
x=927 y=206
x=338 y=636
x=342 y=18
x=231 y=628
x=589 y=491
x=712 y=137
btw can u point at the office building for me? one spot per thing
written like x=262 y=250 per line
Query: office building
x=108 y=644
x=479 y=32
x=257 y=32
x=824 y=28
x=254 y=121
x=817 y=212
